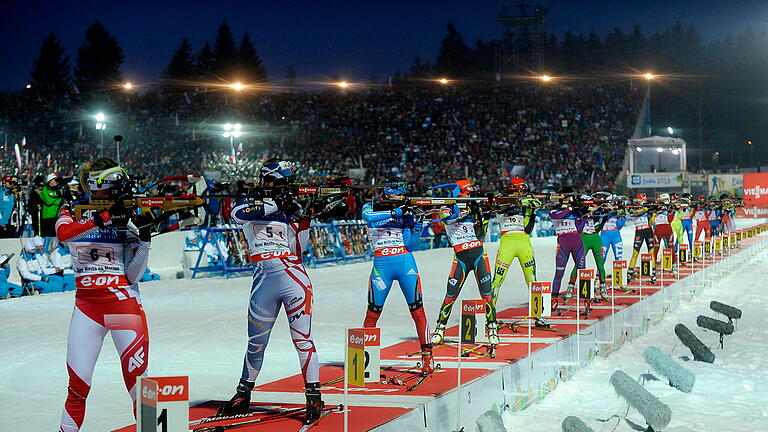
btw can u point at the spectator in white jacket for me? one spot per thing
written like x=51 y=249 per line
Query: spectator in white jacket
x=33 y=276
x=62 y=262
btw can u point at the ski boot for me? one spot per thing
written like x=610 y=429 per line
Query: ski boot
x=315 y=404
x=653 y=279
x=438 y=334
x=492 y=331
x=631 y=275
x=601 y=294
x=541 y=323
x=427 y=362
x=569 y=293
x=675 y=271
x=239 y=403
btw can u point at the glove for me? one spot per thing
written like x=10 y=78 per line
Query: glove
x=286 y=203
x=145 y=233
x=397 y=212
x=531 y=202
x=119 y=213
x=44 y=279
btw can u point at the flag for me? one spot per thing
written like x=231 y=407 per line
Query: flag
x=81 y=130
x=49 y=160
x=23 y=141
x=177 y=118
x=240 y=148
x=186 y=98
x=592 y=180
x=232 y=156
x=18 y=155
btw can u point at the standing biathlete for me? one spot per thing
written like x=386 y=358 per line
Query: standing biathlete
x=610 y=235
x=394 y=235
x=517 y=221
x=568 y=222
x=465 y=227
x=590 y=238
x=684 y=228
x=109 y=256
x=662 y=230
x=715 y=215
x=641 y=217
x=701 y=216
x=276 y=233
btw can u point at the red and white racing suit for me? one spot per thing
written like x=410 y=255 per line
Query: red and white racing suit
x=108 y=263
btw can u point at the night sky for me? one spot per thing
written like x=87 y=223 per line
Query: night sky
x=352 y=39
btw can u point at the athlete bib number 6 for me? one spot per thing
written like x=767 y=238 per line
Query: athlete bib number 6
x=98 y=255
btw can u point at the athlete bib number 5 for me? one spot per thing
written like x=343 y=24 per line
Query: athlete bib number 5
x=270 y=237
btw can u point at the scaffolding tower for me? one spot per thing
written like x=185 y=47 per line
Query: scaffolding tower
x=520 y=36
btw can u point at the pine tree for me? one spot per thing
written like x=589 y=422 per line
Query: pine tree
x=182 y=66
x=50 y=70
x=290 y=76
x=98 y=59
x=454 y=56
x=251 y=68
x=205 y=62
x=225 y=53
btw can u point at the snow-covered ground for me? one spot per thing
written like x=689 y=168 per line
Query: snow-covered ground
x=198 y=328
x=729 y=395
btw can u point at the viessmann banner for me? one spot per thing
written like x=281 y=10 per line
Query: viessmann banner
x=755 y=195
x=756 y=189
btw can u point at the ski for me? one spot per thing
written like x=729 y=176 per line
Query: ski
x=421 y=379
x=324 y=413
x=270 y=417
x=269 y=411
x=514 y=326
x=395 y=379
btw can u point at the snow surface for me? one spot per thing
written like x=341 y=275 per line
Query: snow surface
x=198 y=328
x=729 y=395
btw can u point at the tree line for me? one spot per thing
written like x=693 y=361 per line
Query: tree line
x=100 y=57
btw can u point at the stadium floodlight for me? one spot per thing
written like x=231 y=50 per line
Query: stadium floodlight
x=238 y=86
x=342 y=84
x=638 y=149
x=649 y=76
x=670 y=130
x=101 y=126
x=659 y=149
x=545 y=78
x=127 y=86
x=232 y=131
x=29 y=86
x=443 y=81
x=676 y=152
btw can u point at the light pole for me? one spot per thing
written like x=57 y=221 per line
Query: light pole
x=117 y=139
x=101 y=126
x=232 y=131
x=648 y=78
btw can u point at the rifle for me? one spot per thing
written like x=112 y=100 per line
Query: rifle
x=155 y=204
